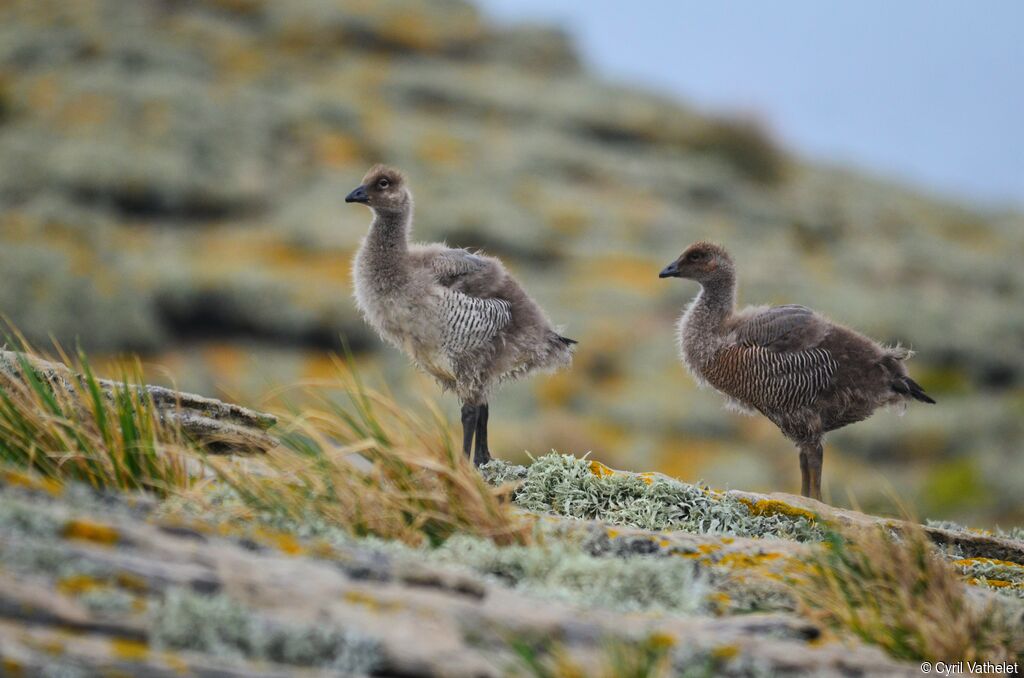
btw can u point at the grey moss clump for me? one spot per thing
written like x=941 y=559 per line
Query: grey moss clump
x=565 y=571
x=220 y=626
x=565 y=485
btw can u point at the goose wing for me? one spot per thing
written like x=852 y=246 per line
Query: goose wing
x=452 y=264
x=780 y=328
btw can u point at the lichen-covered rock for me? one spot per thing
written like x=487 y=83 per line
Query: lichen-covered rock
x=148 y=593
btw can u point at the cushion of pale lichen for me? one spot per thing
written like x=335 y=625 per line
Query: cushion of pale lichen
x=578 y=488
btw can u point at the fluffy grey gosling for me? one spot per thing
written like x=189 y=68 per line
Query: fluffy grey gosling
x=805 y=373
x=460 y=316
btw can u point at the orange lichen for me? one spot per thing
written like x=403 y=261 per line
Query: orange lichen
x=337 y=150
x=369 y=601
x=87 y=530
x=25 y=480
x=774 y=507
x=282 y=541
x=746 y=560
x=600 y=470
x=131 y=582
x=659 y=640
x=997 y=583
x=721 y=601
x=966 y=562
x=725 y=652
x=77 y=584
x=131 y=650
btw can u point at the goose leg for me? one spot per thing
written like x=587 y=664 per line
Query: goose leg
x=469 y=419
x=482 y=454
x=805 y=476
x=814 y=459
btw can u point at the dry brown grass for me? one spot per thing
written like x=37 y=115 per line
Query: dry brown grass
x=356 y=459
x=350 y=458
x=898 y=593
x=70 y=428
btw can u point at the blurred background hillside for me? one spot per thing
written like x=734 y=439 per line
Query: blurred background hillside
x=172 y=175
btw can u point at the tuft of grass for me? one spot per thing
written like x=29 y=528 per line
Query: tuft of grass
x=69 y=428
x=356 y=459
x=898 y=593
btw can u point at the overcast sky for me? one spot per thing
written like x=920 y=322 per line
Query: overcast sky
x=929 y=91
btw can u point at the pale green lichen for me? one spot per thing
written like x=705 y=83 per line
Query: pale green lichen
x=220 y=626
x=1014 y=533
x=567 y=486
x=567 y=572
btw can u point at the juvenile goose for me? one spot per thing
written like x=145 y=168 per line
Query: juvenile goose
x=460 y=316
x=805 y=373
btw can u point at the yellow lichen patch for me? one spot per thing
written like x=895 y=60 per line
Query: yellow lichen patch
x=721 y=601
x=624 y=271
x=739 y=560
x=647 y=477
x=131 y=582
x=281 y=541
x=774 y=507
x=18 y=479
x=323 y=549
x=337 y=150
x=600 y=470
x=659 y=640
x=77 y=584
x=131 y=650
x=725 y=652
x=49 y=645
x=967 y=562
x=370 y=601
x=995 y=583
x=11 y=667
x=611 y=532
x=87 y=530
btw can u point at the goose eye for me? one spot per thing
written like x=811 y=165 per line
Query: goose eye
x=695 y=256
x=383 y=183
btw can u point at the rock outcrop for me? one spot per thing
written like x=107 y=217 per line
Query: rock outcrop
x=102 y=584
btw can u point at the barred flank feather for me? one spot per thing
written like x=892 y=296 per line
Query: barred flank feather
x=771 y=381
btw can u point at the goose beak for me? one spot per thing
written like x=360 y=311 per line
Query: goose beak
x=670 y=271
x=358 y=195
